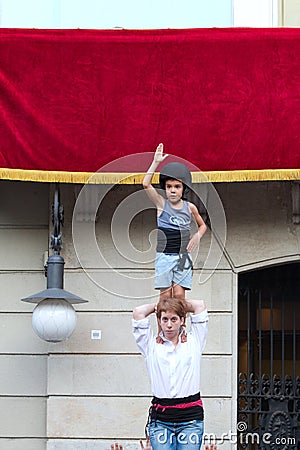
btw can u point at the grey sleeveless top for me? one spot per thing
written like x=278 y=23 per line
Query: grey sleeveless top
x=175 y=219
x=173 y=228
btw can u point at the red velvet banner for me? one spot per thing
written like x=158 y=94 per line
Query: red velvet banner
x=226 y=100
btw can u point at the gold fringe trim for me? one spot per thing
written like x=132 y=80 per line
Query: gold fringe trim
x=247 y=175
x=137 y=178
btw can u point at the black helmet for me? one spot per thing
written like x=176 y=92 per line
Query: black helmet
x=176 y=171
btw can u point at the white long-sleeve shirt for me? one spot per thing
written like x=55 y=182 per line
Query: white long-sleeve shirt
x=174 y=371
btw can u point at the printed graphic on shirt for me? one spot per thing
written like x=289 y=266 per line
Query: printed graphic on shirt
x=178 y=221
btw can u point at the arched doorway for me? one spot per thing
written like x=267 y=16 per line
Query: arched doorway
x=269 y=358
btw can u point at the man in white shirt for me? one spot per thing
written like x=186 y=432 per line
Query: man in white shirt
x=176 y=414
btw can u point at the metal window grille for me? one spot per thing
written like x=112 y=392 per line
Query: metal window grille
x=269 y=359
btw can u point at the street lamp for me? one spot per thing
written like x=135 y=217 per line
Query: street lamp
x=54 y=318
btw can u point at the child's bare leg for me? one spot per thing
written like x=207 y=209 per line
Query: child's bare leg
x=179 y=292
x=166 y=293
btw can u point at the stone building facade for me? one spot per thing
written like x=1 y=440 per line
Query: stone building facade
x=84 y=393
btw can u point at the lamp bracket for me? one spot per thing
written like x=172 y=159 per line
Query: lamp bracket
x=57 y=221
x=296 y=202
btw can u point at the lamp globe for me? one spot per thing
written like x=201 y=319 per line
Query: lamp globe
x=54 y=320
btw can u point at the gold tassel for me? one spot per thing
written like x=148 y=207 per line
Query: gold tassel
x=45 y=176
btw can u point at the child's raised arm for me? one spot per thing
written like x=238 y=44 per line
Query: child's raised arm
x=154 y=196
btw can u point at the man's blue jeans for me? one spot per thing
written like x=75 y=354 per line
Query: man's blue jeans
x=176 y=436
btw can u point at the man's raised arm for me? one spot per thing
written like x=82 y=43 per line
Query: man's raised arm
x=195 y=306
x=142 y=311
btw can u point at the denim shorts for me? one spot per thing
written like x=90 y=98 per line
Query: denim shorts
x=167 y=272
x=176 y=436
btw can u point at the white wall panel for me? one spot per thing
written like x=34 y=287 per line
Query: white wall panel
x=94 y=417
x=217 y=290
x=123 y=375
x=106 y=417
x=23 y=375
x=17 y=335
x=23 y=444
x=22 y=417
x=16 y=285
x=22 y=249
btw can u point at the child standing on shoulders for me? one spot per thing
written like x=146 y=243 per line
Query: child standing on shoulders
x=173 y=264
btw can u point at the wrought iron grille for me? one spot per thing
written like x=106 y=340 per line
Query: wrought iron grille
x=269 y=359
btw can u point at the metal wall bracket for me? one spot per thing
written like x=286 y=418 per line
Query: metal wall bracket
x=296 y=202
